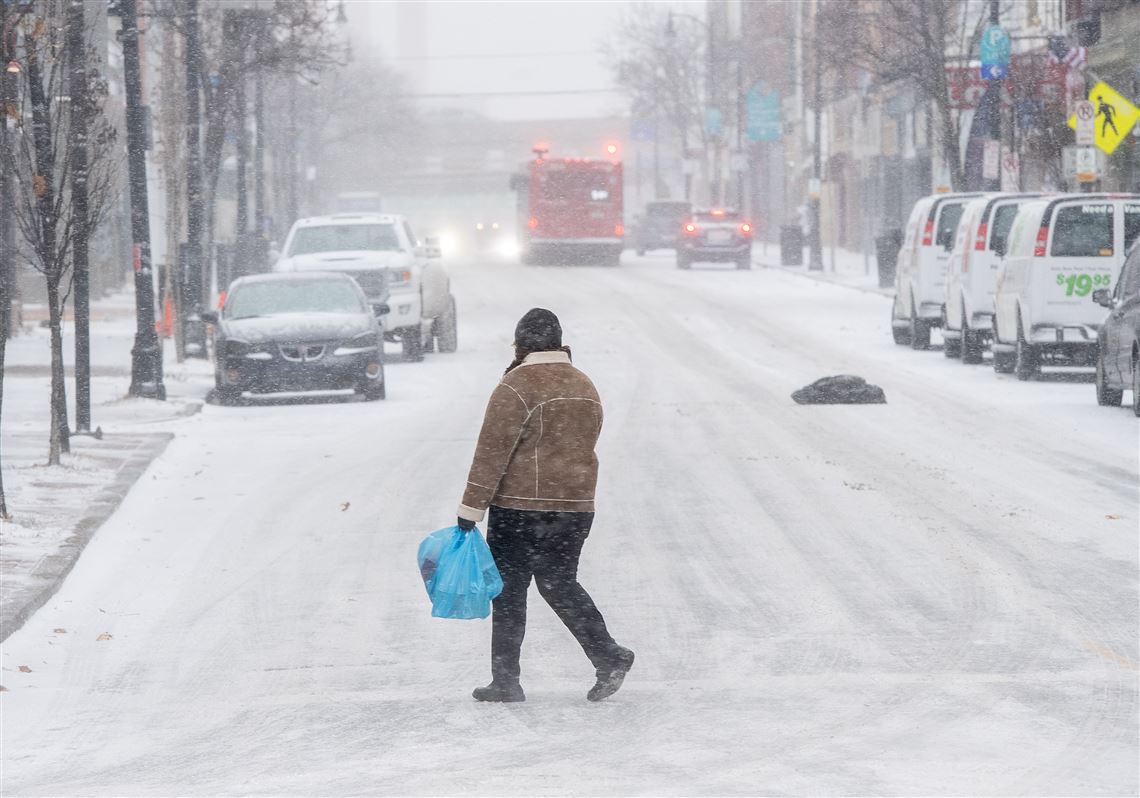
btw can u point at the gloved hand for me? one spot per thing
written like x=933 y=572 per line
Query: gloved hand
x=465 y=525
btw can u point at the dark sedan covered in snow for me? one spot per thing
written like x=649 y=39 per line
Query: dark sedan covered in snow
x=297 y=332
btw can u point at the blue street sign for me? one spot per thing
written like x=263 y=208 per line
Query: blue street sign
x=995 y=50
x=714 y=124
x=642 y=130
x=763 y=114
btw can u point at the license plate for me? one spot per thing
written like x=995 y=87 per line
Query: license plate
x=720 y=237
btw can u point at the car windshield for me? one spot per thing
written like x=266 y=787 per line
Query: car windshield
x=1083 y=231
x=345 y=238
x=272 y=298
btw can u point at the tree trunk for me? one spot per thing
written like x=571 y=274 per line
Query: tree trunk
x=5 y=306
x=58 y=442
x=49 y=251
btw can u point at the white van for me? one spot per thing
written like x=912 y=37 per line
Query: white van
x=920 y=281
x=971 y=273
x=1061 y=250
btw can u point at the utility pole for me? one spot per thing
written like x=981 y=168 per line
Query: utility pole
x=815 y=262
x=146 y=356
x=194 y=278
x=259 y=134
x=77 y=146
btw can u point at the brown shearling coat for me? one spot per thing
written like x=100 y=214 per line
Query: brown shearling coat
x=536 y=447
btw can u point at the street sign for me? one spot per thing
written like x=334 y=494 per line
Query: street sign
x=1010 y=172
x=641 y=129
x=1085 y=112
x=991 y=160
x=714 y=122
x=1086 y=165
x=763 y=114
x=995 y=50
x=1113 y=118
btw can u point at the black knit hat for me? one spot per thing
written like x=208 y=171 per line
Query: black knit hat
x=538 y=331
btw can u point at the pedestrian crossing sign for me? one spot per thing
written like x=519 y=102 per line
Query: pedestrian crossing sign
x=1115 y=117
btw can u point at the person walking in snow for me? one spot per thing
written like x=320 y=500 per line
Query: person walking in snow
x=535 y=470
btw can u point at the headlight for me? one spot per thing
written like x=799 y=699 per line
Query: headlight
x=398 y=278
x=243 y=349
x=237 y=348
x=365 y=342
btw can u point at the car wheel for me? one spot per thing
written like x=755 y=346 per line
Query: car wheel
x=1106 y=396
x=640 y=253
x=413 y=345
x=447 y=337
x=1025 y=357
x=919 y=332
x=227 y=395
x=744 y=262
x=1135 y=386
x=900 y=334
x=972 y=345
x=683 y=261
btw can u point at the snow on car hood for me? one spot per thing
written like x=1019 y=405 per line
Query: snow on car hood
x=298 y=327
x=344 y=261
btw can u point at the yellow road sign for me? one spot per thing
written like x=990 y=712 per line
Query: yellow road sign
x=1115 y=117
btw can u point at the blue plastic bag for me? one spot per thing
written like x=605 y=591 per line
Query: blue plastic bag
x=459 y=573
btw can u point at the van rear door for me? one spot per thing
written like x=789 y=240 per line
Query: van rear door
x=1082 y=257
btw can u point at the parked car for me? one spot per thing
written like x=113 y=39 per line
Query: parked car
x=920 y=279
x=297 y=332
x=660 y=225
x=971 y=273
x=381 y=252
x=1118 y=339
x=715 y=236
x=1061 y=250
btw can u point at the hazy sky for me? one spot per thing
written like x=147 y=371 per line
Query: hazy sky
x=445 y=46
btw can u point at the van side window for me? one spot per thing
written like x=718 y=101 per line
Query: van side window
x=1131 y=224
x=1003 y=220
x=948 y=223
x=1083 y=231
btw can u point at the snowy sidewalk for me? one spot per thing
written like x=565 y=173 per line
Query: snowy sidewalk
x=840 y=266
x=57 y=510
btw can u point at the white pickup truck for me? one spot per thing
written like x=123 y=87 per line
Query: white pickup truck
x=390 y=264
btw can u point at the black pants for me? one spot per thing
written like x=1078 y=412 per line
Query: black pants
x=547 y=546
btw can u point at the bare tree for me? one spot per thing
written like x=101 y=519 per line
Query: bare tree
x=903 y=40
x=659 y=58
x=42 y=173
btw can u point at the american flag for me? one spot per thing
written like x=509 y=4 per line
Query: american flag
x=1061 y=52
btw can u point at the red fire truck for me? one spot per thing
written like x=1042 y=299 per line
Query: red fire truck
x=570 y=209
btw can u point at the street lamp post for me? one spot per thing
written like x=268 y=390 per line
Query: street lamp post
x=815 y=261
x=146 y=356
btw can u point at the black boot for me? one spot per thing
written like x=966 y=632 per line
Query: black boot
x=505 y=692
x=611 y=675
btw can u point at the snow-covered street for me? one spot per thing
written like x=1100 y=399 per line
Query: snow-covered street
x=935 y=596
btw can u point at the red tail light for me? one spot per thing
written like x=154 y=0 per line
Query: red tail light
x=980 y=240
x=746 y=228
x=532 y=223
x=619 y=230
x=690 y=228
x=1042 y=238
x=928 y=233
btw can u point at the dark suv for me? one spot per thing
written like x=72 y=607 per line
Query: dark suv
x=715 y=236
x=661 y=224
x=1118 y=340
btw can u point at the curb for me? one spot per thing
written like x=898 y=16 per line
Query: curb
x=820 y=278
x=49 y=573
